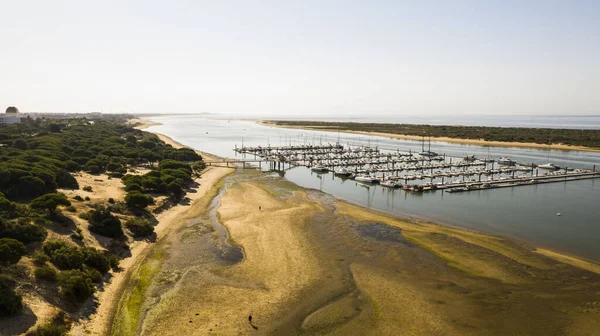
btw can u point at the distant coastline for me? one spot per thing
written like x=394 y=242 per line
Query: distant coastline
x=340 y=127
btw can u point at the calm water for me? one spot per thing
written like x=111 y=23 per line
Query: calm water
x=527 y=212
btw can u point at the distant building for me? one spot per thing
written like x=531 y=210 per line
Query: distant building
x=12 y=110
x=11 y=116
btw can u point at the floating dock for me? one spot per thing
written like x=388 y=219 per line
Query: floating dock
x=394 y=169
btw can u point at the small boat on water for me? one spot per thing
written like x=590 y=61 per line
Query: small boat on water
x=366 y=179
x=428 y=153
x=549 y=166
x=506 y=161
x=342 y=172
x=388 y=183
x=320 y=169
x=469 y=158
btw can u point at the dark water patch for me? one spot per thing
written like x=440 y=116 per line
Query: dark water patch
x=225 y=249
x=383 y=232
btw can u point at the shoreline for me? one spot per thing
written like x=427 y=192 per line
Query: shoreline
x=473 y=142
x=294 y=277
x=100 y=322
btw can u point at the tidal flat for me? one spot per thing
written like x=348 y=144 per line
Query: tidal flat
x=262 y=255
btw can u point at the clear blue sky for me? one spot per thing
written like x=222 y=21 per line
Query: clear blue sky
x=302 y=57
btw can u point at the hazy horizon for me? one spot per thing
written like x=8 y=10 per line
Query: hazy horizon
x=308 y=58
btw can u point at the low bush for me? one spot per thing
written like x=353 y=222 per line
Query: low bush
x=22 y=231
x=75 y=285
x=71 y=208
x=94 y=275
x=96 y=259
x=49 y=329
x=46 y=273
x=10 y=302
x=63 y=255
x=78 y=198
x=59 y=326
x=87 y=188
x=140 y=227
x=11 y=251
x=104 y=223
x=136 y=199
x=39 y=257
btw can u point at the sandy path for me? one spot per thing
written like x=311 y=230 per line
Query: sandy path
x=476 y=142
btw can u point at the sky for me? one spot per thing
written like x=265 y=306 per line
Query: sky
x=302 y=58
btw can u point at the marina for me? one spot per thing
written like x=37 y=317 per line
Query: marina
x=411 y=171
x=495 y=210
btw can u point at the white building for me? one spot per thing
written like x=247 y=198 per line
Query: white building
x=9 y=119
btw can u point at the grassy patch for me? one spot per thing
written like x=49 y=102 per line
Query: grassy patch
x=130 y=306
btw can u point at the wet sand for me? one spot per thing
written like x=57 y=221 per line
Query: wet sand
x=306 y=263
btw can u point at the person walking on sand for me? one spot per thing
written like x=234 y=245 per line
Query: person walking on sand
x=259 y=208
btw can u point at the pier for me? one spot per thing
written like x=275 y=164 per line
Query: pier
x=411 y=171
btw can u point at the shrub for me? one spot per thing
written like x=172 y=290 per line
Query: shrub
x=113 y=261
x=199 y=166
x=136 y=199
x=85 y=215
x=11 y=251
x=87 y=198
x=71 y=208
x=87 y=188
x=63 y=255
x=94 y=275
x=104 y=223
x=39 y=257
x=59 y=326
x=66 y=180
x=49 y=329
x=111 y=200
x=49 y=202
x=173 y=164
x=22 y=231
x=77 y=234
x=45 y=272
x=75 y=285
x=96 y=259
x=72 y=166
x=10 y=302
x=140 y=227
x=78 y=198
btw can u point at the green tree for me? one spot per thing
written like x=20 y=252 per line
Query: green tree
x=21 y=144
x=11 y=251
x=136 y=199
x=49 y=202
x=10 y=302
x=104 y=223
x=75 y=285
x=140 y=227
x=30 y=186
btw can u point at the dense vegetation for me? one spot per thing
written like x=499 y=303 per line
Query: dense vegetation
x=38 y=157
x=574 y=137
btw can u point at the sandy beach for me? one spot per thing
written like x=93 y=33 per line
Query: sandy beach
x=474 y=142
